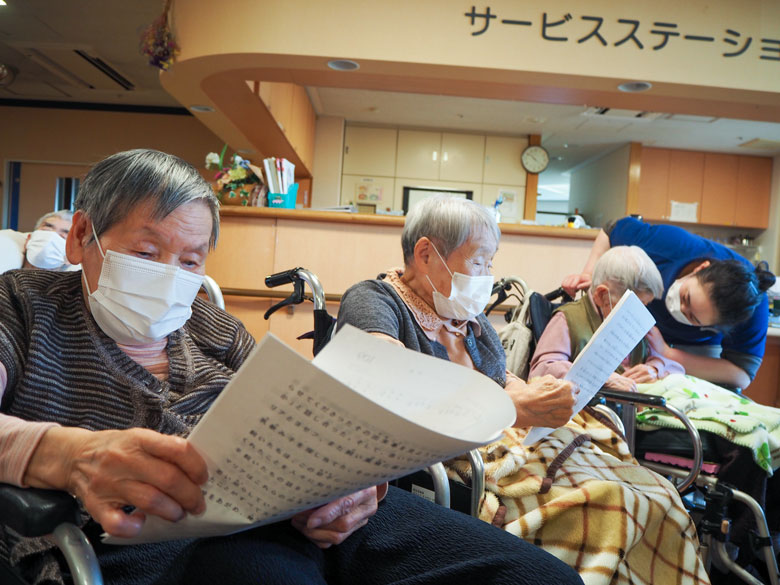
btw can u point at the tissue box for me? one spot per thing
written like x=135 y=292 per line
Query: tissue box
x=284 y=200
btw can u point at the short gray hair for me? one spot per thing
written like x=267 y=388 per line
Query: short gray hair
x=448 y=221
x=64 y=214
x=627 y=268
x=115 y=186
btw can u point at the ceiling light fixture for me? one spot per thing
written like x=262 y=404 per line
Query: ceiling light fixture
x=2 y=2
x=635 y=86
x=201 y=109
x=343 y=65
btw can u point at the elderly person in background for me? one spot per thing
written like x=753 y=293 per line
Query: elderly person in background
x=434 y=303
x=620 y=269
x=42 y=248
x=102 y=373
x=578 y=493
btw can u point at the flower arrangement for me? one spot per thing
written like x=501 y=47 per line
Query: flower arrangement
x=237 y=183
x=158 y=43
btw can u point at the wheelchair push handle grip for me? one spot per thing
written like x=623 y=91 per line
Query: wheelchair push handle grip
x=281 y=278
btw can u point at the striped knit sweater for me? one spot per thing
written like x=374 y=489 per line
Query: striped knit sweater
x=62 y=368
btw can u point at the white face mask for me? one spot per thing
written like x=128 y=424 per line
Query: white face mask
x=139 y=301
x=672 y=302
x=468 y=295
x=46 y=250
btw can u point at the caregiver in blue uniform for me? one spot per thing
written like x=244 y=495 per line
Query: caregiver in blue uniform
x=714 y=313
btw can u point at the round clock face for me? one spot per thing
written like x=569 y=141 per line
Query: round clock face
x=535 y=159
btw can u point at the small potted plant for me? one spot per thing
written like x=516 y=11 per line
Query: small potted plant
x=237 y=183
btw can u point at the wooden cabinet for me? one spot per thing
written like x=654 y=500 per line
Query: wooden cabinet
x=418 y=154
x=278 y=98
x=370 y=151
x=653 y=183
x=686 y=173
x=502 y=160
x=380 y=162
x=462 y=156
x=302 y=125
x=440 y=156
x=754 y=180
x=291 y=110
x=718 y=206
x=731 y=190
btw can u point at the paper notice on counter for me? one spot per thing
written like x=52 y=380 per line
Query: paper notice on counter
x=684 y=212
x=287 y=435
x=625 y=326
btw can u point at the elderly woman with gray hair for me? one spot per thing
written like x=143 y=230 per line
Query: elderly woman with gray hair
x=578 y=493
x=434 y=303
x=620 y=269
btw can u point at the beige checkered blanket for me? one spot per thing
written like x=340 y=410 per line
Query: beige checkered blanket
x=612 y=520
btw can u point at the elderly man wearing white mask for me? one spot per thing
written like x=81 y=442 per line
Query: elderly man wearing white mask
x=103 y=372
x=43 y=248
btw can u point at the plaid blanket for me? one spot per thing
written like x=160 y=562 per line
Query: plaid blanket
x=580 y=495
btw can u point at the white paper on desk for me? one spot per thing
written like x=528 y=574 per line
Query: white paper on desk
x=625 y=326
x=285 y=435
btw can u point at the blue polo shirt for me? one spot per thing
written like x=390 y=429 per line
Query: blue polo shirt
x=672 y=248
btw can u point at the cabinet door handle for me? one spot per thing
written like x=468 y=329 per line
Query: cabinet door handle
x=346 y=149
x=435 y=155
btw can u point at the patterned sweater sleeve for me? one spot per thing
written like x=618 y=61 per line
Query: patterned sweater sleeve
x=18 y=438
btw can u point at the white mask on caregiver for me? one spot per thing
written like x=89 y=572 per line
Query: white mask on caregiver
x=673 y=303
x=46 y=250
x=140 y=301
x=468 y=295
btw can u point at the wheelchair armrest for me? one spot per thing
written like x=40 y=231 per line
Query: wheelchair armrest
x=36 y=512
x=660 y=402
x=632 y=397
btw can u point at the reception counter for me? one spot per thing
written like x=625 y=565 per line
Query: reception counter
x=345 y=248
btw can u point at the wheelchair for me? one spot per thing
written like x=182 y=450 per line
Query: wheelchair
x=55 y=514
x=708 y=500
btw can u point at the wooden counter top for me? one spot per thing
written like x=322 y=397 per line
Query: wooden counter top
x=394 y=220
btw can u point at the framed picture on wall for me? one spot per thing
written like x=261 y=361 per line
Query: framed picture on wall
x=413 y=195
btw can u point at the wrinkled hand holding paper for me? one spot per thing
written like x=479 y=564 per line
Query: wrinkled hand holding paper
x=625 y=326
x=287 y=435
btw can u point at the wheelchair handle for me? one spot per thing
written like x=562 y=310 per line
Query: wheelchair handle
x=559 y=293
x=281 y=278
x=299 y=274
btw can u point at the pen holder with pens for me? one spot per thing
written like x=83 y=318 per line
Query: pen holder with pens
x=284 y=200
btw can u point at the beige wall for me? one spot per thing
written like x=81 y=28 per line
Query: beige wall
x=85 y=137
x=599 y=188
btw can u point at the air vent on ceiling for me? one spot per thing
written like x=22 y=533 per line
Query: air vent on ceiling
x=619 y=114
x=78 y=66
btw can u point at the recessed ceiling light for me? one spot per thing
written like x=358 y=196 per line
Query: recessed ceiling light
x=199 y=108
x=343 y=65
x=634 y=86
